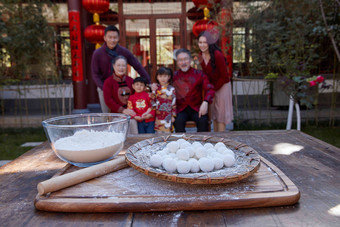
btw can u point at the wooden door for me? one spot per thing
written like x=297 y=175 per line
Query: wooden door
x=153 y=40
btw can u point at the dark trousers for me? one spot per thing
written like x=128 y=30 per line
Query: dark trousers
x=188 y=114
x=146 y=127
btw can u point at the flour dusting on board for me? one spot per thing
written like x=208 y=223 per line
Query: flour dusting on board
x=130 y=182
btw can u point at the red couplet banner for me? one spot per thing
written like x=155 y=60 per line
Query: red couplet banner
x=76 y=46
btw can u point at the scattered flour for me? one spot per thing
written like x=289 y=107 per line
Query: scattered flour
x=89 y=145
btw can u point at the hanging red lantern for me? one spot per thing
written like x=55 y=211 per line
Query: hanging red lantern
x=110 y=17
x=94 y=34
x=195 y=14
x=203 y=25
x=96 y=6
x=205 y=3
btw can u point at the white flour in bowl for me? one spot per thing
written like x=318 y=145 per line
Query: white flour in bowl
x=89 y=146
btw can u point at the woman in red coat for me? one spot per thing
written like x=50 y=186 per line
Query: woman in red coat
x=117 y=88
x=214 y=65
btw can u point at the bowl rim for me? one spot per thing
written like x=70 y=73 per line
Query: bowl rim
x=47 y=122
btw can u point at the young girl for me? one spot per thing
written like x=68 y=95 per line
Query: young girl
x=164 y=100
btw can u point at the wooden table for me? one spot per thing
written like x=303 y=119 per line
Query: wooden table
x=313 y=165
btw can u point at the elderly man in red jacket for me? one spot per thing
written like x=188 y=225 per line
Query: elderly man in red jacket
x=189 y=84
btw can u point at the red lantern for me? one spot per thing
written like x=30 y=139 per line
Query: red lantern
x=195 y=14
x=109 y=17
x=94 y=33
x=203 y=25
x=205 y=3
x=96 y=6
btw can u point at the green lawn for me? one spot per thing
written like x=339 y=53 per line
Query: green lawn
x=330 y=135
x=11 y=139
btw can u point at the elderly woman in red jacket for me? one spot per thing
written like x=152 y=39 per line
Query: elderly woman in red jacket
x=214 y=66
x=117 y=88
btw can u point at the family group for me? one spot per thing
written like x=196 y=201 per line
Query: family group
x=185 y=95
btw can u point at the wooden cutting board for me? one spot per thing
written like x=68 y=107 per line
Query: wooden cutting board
x=128 y=190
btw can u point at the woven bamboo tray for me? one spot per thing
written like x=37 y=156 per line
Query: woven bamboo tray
x=247 y=160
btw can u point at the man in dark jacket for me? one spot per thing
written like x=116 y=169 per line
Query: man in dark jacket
x=101 y=64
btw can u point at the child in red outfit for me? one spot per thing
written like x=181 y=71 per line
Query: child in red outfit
x=140 y=102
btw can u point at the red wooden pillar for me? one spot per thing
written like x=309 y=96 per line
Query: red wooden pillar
x=78 y=79
x=93 y=100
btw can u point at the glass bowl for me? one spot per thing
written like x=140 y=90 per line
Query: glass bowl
x=87 y=139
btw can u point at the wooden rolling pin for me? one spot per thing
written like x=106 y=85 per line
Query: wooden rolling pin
x=79 y=176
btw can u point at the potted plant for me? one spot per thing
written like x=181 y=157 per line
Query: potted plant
x=300 y=90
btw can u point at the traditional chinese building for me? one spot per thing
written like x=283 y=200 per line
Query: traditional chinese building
x=150 y=29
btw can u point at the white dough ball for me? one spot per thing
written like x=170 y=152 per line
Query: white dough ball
x=221 y=149
x=183 y=154
x=215 y=155
x=208 y=145
x=169 y=165
x=195 y=166
x=218 y=145
x=191 y=151
x=210 y=150
x=228 y=160
x=162 y=153
x=173 y=146
x=181 y=141
x=200 y=152
x=230 y=151
x=183 y=166
x=184 y=145
x=232 y=154
x=218 y=163
x=166 y=150
x=227 y=151
x=196 y=144
x=206 y=164
x=156 y=160
x=166 y=156
x=172 y=155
